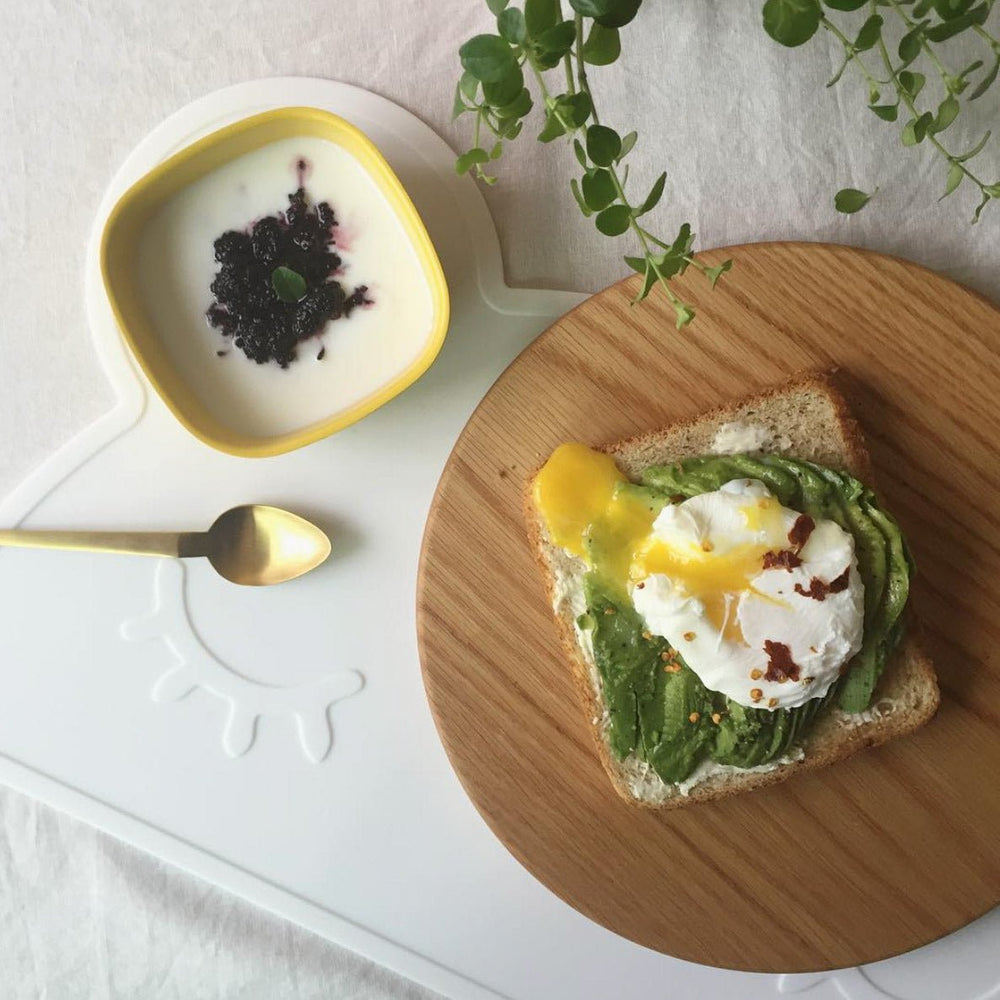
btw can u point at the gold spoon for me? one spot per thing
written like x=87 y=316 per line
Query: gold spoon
x=253 y=544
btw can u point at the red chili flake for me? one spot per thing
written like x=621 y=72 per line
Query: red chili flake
x=780 y=665
x=785 y=559
x=801 y=530
x=818 y=589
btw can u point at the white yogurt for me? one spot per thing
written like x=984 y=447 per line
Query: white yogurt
x=363 y=352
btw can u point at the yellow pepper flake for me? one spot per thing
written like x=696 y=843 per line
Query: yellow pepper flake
x=694 y=717
x=647 y=636
x=756 y=694
x=755 y=675
x=772 y=703
x=672 y=668
x=688 y=636
x=716 y=718
x=609 y=611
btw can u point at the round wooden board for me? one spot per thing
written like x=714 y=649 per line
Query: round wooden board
x=845 y=865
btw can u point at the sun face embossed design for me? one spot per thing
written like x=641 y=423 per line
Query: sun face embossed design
x=246 y=701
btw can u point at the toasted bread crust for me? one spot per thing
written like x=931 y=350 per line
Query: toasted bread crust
x=807 y=418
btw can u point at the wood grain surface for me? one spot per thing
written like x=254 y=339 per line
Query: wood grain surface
x=849 y=864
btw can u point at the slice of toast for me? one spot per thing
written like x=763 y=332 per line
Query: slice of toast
x=807 y=419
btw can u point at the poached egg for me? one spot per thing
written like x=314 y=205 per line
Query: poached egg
x=765 y=604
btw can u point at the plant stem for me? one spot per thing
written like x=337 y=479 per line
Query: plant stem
x=904 y=95
x=581 y=67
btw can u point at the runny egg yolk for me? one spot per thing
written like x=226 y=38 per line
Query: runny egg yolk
x=578 y=494
x=572 y=490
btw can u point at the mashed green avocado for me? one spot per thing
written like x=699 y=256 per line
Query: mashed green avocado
x=666 y=718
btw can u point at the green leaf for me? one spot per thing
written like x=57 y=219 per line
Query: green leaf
x=497 y=151
x=598 y=189
x=909 y=44
x=511 y=25
x=469 y=85
x=553 y=127
x=540 y=15
x=648 y=280
x=603 y=45
x=613 y=221
x=628 y=142
x=496 y=6
x=912 y=83
x=552 y=44
x=603 y=145
x=487 y=57
x=501 y=92
x=714 y=273
x=915 y=130
x=288 y=285
x=682 y=244
x=637 y=264
x=947 y=112
x=887 y=112
x=870 y=33
x=948 y=29
x=987 y=81
x=685 y=314
x=850 y=200
x=510 y=128
x=976 y=150
x=517 y=108
x=581 y=153
x=845 y=4
x=579 y=108
x=467 y=160
x=654 y=196
x=791 y=22
x=608 y=13
x=580 y=200
x=955 y=177
x=459 y=106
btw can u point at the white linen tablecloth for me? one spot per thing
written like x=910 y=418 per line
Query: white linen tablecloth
x=754 y=147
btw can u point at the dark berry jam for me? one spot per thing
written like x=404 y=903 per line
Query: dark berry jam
x=248 y=310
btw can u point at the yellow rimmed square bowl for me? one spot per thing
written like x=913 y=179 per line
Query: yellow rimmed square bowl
x=158 y=263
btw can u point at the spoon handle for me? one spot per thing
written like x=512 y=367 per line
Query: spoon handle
x=142 y=543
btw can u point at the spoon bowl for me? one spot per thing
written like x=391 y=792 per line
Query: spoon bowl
x=257 y=545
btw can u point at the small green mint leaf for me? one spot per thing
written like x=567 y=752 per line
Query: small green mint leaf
x=288 y=285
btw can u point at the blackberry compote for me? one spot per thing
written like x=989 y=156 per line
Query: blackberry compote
x=275 y=286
